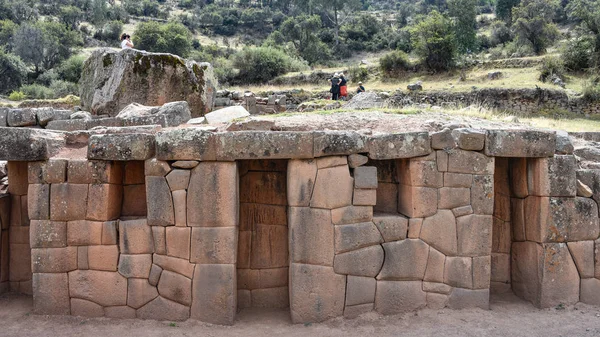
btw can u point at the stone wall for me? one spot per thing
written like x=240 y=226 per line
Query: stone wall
x=4 y=242
x=195 y=224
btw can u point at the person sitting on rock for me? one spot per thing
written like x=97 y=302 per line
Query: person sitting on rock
x=360 y=88
x=126 y=41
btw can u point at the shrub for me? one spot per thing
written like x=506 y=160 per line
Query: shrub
x=16 y=96
x=551 y=66
x=110 y=32
x=261 y=64
x=434 y=42
x=591 y=90
x=37 y=91
x=63 y=88
x=70 y=70
x=172 y=38
x=358 y=74
x=578 y=54
x=395 y=63
x=501 y=33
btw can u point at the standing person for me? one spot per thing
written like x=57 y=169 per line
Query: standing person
x=335 y=87
x=126 y=41
x=360 y=88
x=343 y=87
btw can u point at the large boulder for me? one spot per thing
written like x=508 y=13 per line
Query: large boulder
x=170 y=114
x=112 y=79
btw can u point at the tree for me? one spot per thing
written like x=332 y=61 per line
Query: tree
x=12 y=71
x=338 y=11
x=301 y=32
x=588 y=13
x=464 y=13
x=71 y=16
x=172 y=38
x=261 y=64
x=504 y=9
x=7 y=30
x=434 y=42
x=533 y=23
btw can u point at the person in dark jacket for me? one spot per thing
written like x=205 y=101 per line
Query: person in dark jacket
x=360 y=88
x=335 y=87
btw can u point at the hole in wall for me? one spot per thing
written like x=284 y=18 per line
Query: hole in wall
x=134 y=190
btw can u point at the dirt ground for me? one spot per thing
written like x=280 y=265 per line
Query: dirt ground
x=508 y=316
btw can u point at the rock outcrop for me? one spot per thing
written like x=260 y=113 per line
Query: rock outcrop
x=111 y=80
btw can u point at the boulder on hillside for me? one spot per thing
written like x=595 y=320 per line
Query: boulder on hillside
x=112 y=79
x=173 y=114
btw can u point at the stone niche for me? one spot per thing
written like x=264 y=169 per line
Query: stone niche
x=415 y=221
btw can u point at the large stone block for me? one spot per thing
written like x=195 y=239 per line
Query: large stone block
x=435 y=266
x=400 y=145
x=360 y=290
x=101 y=287
x=474 y=235
x=180 y=207
x=104 y=202
x=333 y=188
x=361 y=262
x=365 y=177
x=48 y=234
x=27 y=144
x=162 y=309
x=355 y=236
x=482 y=194
x=460 y=161
x=500 y=269
x=271 y=298
x=264 y=145
x=393 y=227
x=335 y=143
x=458 y=272
x=135 y=237
x=38 y=201
x=591 y=178
x=178 y=242
x=212 y=199
x=109 y=233
x=103 y=257
x=184 y=144
x=214 y=245
x=553 y=176
x=106 y=172
x=415 y=202
x=453 y=197
x=214 y=298
x=137 y=266
x=84 y=233
x=311 y=236
x=501 y=236
x=520 y=143
x=467 y=298
x=422 y=173
x=301 y=177
x=85 y=308
x=469 y=139
x=68 y=201
x=316 y=293
x=180 y=266
x=583 y=255
x=364 y=197
x=544 y=274
x=175 y=287
x=482 y=268
x=120 y=312
x=159 y=202
x=395 y=297
x=590 y=291
x=122 y=147
x=351 y=214
x=518 y=177
x=51 y=294
x=404 y=260
x=21 y=117
x=53 y=260
x=439 y=231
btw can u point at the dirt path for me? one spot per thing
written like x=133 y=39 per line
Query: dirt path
x=508 y=317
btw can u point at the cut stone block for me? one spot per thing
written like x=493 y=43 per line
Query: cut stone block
x=159 y=237
x=212 y=199
x=482 y=194
x=364 y=197
x=327 y=143
x=159 y=202
x=162 y=309
x=175 y=287
x=435 y=266
x=109 y=233
x=180 y=205
x=458 y=272
x=214 y=245
x=387 y=198
x=520 y=143
x=415 y=202
x=178 y=179
x=361 y=262
x=365 y=177
x=469 y=139
x=439 y=288
x=311 y=236
x=214 y=293
x=120 y=312
x=180 y=266
x=460 y=161
x=332 y=161
x=102 y=287
x=53 y=260
x=84 y=233
x=391 y=226
x=590 y=291
x=395 y=297
x=356 y=160
x=51 y=294
x=351 y=214
x=467 y=298
x=360 y=290
x=355 y=236
x=453 y=197
x=103 y=257
x=439 y=231
x=156 y=168
x=583 y=255
x=474 y=235
x=301 y=177
x=68 y=201
x=400 y=145
x=104 y=202
x=436 y=301
x=137 y=266
x=178 y=242
x=121 y=147
x=552 y=176
x=85 y=308
x=38 y=201
x=443 y=140
x=135 y=237
x=404 y=260
x=264 y=145
x=481 y=272
x=423 y=173
x=155 y=273
x=333 y=188
x=48 y=234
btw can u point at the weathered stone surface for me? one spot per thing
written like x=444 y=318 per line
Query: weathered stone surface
x=422 y=173
x=415 y=202
x=159 y=236
x=301 y=177
x=186 y=144
x=453 y=197
x=101 y=287
x=48 y=234
x=212 y=197
x=482 y=194
x=387 y=198
x=68 y=125
x=365 y=177
x=458 y=272
x=180 y=266
x=394 y=297
x=271 y=298
x=457 y=180
x=134 y=201
x=56 y=171
x=440 y=288
x=404 y=260
x=269 y=247
x=467 y=298
x=469 y=139
x=435 y=266
x=591 y=178
x=474 y=235
x=361 y=262
x=583 y=255
x=356 y=160
x=107 y=73
x=436 y=301
x=51 y=294
x=175 y=287
x=333 y=143
x=364 y=197
x=159 y=202
x=169 y=114
x=316 y=293
x=414 y=228
x=443 y=140
x=439 y=231
x=392 y=227
x=26 y=144
x=333 y=188
x=38 y=201
x=178 y=179
x=590 y=291
x=264 y=144
x=263 y=188
x=311 y=235
x=401 y=145
x=53 y=260
x=482 y=267
x=178 y=242
x=162 y=309
x=120 y=312
x=154 y=276
x=213 y=245
x=500 y=271
x=354 y=311
x=214 y=293
x=21 y=117
x=103 y=257
x=544 y=274
x=351 y=214
x=82 y=258
x=185 y=164
x=460 y=161
x=553 y=177
x=520 y=143
x=104 y=202
x=137 y=265
x=121 y=147
x=135 y=237
x=85 y=308
x=360 y=290
x=563 y=143
x=501 y=236
x=226 y=115
x=68 y=201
